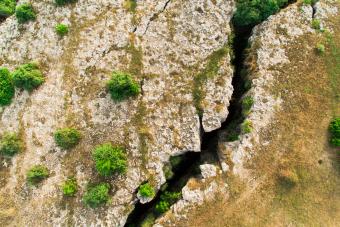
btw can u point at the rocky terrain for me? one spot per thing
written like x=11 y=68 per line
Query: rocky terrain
x=182 y=56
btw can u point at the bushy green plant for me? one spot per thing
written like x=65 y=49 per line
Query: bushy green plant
x=28 y=76
x=7 y=7
x=121 y=86
x=25 y=13
x=252 y=12
x=61 y=29
x=320 y=48
x=97 y=195
x=247 y=103
x=37 y=173
x=6 y=87
x=232 y=136
x=246 y=126
x=109 y=159
x=10 y=144
x=316 y=24
x=334 y=128
x=166 y=200
x=69 y=187
x=146 y=190
x=64 y=2
x=67 y=138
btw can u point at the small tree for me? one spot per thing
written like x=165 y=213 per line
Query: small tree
x=6 y=87
x=109 y=159
x=36 y=174
x=61 y=29
x=7 y=7
x=97 y=195
x=70 y=187
x=122 y=86
x=67 y=138
x=25 y=13
x=28 y=76
x=10 y=144
x=334 y=129
x=146 y=190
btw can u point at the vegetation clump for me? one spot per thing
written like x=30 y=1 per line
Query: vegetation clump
x=166 y=200
x=36 y=174
x=131 y=5
x=25 y=13
x=110 y=159
x=67 y=138
x=61 y=29
x=250 y=13
x=247 y=103
x=6 y=87
x=334 y=129
x=316 y=24
x=97 y=195
x=28 y=76
x=246 y=126
x=320 y=48
x=7 y=7
x=122 y=86
x=69 y=187
x=64 y=2
x=146 y=190
x=10 y=144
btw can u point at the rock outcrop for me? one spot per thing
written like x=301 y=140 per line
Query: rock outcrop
x=163 y=44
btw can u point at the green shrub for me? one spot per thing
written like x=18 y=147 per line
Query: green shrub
x=232 y=136
x=6 y=87
x=61 y=29
x=25 y=13
x=97 y=195
x=28 y=76
x=67 y=138
x=320 y=48
x=122 y=86
x=64 y=2
x=146 y=190
x=247 y=103
x=37 y=173
x=316 y=24
x=7 y=7
x=110 y=159
x=166 y=200
x=69 y=187
x=251 y=12
x=246 y=126
x=10 y=144
x=334 y=129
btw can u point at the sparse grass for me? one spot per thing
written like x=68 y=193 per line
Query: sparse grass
x=210 y=70
x=37 y=174
x=97 y=195
x=316 y=24
x=10 y=144
x=247 y=103
x=6 y=87
x=246 y=126
x=320 y=48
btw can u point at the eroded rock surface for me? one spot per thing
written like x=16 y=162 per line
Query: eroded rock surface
x=164 y=44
